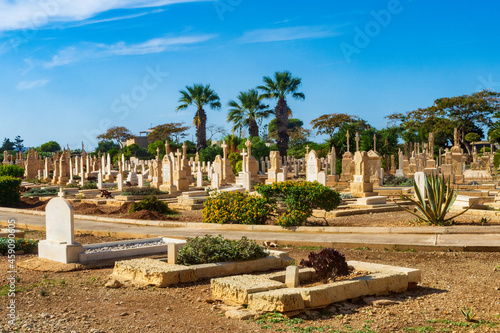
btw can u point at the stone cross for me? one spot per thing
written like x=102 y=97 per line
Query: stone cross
x=244 y=164
x=307 y=150
x=224 y=149
x=357 y=141
x=374 y=142
x=249 y=144
x=333 y=160
x=347 y=135
x=455 y=137
x=184 y=150
x=179 y=157
x=157 y=153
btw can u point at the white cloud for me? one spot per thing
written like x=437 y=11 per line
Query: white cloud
x=93 y=50
x=118 y=18
x=32 y=14
x=26 y=85
x=286 y=34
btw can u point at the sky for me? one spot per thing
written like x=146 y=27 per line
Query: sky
x=72 y=69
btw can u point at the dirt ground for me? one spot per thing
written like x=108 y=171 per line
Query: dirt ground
x=389 y=219
x=77 y=301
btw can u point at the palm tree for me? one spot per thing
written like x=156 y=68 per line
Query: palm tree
x=248 y=111
x=200 y=96
x=278 y=88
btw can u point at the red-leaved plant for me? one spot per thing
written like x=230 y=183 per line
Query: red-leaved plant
x=328 y=264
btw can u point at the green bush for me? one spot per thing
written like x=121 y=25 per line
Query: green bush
x=89 y=186
x=398 y=181
x=142 y=191
x=152 y=204
x=10 y=188
x=11 y=170
x=41 y=192
x=236 y=208
x=208 y=154
x=300 y=199
x=210 y=249
x=27 y=245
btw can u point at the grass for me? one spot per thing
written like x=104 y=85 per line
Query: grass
x=477 y=324
x=397 y=249
x=279 y=323
x=313 y=248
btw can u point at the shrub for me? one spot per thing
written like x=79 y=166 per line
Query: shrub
x=328 y=264
x=211 y=249
x=27 y=245
x=398 y=181
x=440 y=197
x=236 y=208
x=142 y=191
x=300 y=199
x=89 y=186
x=152 y=204
x=10 y=188
x=41 y=192
x=11 y=170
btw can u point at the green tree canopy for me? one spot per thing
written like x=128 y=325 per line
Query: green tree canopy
x=118 y=134
x=7 y=145
x=105 y=145
x=248 y=112
x=50 y=147
x=168 y=131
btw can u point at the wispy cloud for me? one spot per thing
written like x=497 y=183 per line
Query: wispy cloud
x=27 y=85
x=93 y=50
x=118 y=18
x=286 y=34
x=30 y=14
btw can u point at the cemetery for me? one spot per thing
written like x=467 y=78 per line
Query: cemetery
x=273 y=194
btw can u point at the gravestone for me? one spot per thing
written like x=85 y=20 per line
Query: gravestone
x=420 y=183
x=59 y=244
x=361 y=186
x=312 y=167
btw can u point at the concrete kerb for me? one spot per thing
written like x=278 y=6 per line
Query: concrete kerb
x=303 y=229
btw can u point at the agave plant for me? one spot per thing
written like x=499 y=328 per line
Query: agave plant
x=440 y=197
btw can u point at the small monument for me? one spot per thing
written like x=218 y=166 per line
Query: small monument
x=60 y=242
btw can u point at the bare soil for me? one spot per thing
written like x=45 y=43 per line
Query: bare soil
x=77 y=301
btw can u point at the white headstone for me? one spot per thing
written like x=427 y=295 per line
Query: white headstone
x=420 y=182
x=99 y=180
x=140 y=180
x=119 y=181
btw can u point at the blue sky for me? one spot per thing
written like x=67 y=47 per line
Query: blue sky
x=72 y=69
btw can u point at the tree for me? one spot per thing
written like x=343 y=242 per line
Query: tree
x=105 y=145
x=50 y=147
x=215 y=129
x=329 y=123
x=282 y=85
x=297 y=134
x=199 y=95
x=7 y=145
x=18 y=143
x=467 y=113
x=116 y=133
x=248 y=111
x=472 y=137
x=167 y=131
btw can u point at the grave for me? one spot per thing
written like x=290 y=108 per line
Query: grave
x=60 y=242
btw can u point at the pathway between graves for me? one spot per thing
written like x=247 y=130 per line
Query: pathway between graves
x=481 y=238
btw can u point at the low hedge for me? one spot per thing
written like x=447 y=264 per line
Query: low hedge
x=10 y=188
x=237 y=208
x=11 y=170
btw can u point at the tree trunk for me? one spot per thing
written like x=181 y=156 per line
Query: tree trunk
x=281 y=111
x=201 y=130
x=253 y=128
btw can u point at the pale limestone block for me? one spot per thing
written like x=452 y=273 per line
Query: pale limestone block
x=238 y=288
x=282 y=300
x=292 y=277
